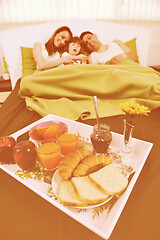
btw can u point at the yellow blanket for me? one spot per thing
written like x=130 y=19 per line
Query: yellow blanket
x=68 y=91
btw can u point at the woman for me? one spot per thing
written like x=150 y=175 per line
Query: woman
x=48 y=55
x=115 y=52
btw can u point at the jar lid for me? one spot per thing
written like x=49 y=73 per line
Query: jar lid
x=103 y=127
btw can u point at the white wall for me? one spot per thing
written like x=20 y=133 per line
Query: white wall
x=154 y=51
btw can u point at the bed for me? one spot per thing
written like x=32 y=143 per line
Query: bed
x=23 y=213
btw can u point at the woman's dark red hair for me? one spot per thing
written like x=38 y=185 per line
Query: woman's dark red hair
x=50 y=47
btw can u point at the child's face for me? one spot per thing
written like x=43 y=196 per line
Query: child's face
x=74 y=48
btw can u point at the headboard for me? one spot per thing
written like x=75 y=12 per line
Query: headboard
x=11 y=40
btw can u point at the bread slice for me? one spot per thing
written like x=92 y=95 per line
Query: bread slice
x=87 y=191
x=109 y=180
x=67 y=195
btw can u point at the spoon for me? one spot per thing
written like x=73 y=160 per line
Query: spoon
x=96 y=110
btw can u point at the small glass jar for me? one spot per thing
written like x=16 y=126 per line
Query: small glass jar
x=101 y=138
x=49 y=154
x=68 y=143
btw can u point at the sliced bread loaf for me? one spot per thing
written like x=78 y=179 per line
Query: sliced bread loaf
x=87 y=191
x=67 y=195
x=109 y=180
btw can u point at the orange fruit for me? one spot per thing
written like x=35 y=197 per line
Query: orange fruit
x=52 y=132
x=41 y=130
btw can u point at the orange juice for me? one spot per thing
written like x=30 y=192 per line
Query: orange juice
x=68 y=142
x=49 y=154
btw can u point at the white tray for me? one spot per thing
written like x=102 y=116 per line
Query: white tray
x=103 y=223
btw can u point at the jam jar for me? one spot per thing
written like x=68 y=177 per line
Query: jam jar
x=101 y=138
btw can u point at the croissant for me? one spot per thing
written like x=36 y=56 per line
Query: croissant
x=69 y=162
x=90 y=164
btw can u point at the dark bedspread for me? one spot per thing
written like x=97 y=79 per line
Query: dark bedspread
x=25 y=215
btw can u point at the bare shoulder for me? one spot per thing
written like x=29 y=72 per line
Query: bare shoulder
x=37 y=45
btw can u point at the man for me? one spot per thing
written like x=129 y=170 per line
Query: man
x=116 y=51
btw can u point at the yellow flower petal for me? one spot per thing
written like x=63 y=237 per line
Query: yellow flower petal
x=134 y=109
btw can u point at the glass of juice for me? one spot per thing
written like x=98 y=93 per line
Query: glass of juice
x=49 y=153
x=68 y=142
x=101 y=138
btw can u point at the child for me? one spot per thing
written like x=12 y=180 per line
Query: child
x=74 y=48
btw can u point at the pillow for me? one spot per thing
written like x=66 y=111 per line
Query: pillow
x=132 y=44
x=28 y=62
x=5 y=66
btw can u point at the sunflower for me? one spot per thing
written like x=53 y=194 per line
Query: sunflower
x=132 y=109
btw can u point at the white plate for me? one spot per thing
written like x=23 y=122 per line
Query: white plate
x=55 y=186
x=105 y=222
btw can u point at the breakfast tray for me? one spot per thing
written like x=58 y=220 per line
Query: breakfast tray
x=101 y=219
